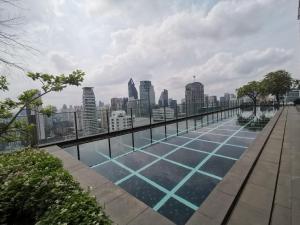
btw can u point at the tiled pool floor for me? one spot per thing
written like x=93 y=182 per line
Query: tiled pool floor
x=173 y=175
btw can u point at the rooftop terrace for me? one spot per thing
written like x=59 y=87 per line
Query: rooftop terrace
x=261 y=187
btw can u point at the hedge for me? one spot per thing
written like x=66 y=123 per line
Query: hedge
x=35 y=189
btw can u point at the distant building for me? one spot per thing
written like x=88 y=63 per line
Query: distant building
x=120 y=121
x=119 y=104
x=101 y=104
x=206 y=100
x=212 y=101
x=172 y=103
x=163 y=99
x=292 y=95
x=89 y=117
x=159 y=114
x=194 y=94
x=147 y=96
x=132 y=92
x=134 y=105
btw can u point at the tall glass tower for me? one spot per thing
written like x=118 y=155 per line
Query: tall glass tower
x=132 y=92
x=147 y=96
x=89 y=117
x=194 y=97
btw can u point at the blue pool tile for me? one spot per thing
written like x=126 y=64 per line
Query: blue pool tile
x=247 y=134
x=197 y=188
x=190 y=134
x=213 y=137
x=240 y=141
x=230 y=127
x=87 y=156
x=159 y=149
x=136 y=160
x=142 y=190
x=165 y=174
x=202 y=145
x=217 y=166
x=112 y=171
x=176 y=211
x=177 y=140
x=187 y=157
x=223 y=132
x=231 y=151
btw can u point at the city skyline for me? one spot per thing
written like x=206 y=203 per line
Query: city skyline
x=169 y=43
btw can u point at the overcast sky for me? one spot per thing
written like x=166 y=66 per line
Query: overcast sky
x=223 y=43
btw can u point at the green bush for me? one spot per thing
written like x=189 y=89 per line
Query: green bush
x=35 y=189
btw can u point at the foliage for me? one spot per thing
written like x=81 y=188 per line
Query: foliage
x=13 y=130
x=37 y=190
x=277 y=83
x=253 y=89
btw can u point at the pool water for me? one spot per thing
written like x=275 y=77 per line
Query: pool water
x=175 y=173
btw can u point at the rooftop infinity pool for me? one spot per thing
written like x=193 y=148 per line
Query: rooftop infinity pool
x=174 y=173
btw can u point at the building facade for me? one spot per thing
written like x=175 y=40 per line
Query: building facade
x=160 y=113
x=89 y=116
x=120 y=121
x=194 y=95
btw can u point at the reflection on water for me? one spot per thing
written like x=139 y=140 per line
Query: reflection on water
x=256 y=122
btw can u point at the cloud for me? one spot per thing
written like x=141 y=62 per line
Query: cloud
x=224 y=43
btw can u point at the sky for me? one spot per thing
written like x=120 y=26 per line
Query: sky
x=224 y=43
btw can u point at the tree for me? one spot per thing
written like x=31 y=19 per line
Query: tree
x=253 y=89
x=277 y=83
x=12 y=129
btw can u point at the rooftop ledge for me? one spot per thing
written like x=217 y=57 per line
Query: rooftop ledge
x=262 y=187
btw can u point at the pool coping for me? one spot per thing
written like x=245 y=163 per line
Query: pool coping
x=216 y=209
x=119 y=205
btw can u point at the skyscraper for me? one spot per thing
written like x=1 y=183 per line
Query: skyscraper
x=147 y=96
x=132 y=92
x=89 y=117
x=194 y=94
x=163 y=99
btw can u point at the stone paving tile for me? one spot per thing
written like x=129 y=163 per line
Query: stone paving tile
x=107 y=193
x=281 y=215
x=245 y=214
x=258 y=197
x=200 y=219
x=231 y=184
x=296 y=187
x=283 y=196
x=124 y=209
x=88 y=178
x=217 y=206
x=150 y=217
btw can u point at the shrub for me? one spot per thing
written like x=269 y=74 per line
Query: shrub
x=35 y=189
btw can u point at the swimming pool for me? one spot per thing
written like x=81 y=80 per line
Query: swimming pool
x=173 y=173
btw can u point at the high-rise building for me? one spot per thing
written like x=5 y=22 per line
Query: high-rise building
x=160 y=113
x=119 y=104
x=194 y=94
x=147 y=96
x=163 y=99
x=134 y=105
x=132 y=92
x=89 y=117
x=101 y=104
x=120 y=121
x=212 y=101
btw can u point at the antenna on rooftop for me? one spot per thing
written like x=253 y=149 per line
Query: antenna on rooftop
x=194 y=77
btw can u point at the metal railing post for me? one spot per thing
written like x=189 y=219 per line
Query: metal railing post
x=108 y=131
x=75 y=123
x=186 y=115
x=132 y=133
x=165 y=120
x=176 y=119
